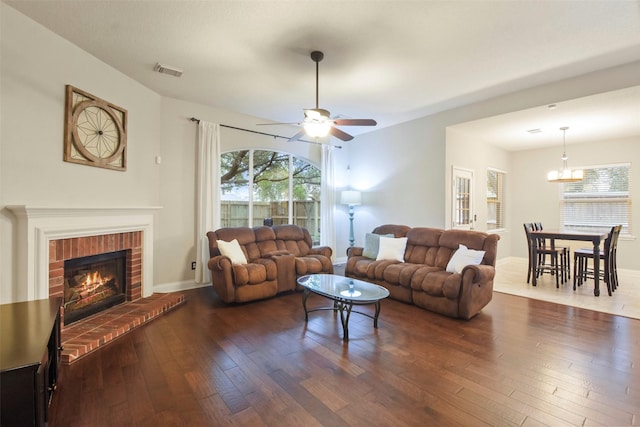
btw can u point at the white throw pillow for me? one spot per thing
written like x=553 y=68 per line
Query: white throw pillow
x=372 y=244
x=392 y=248
x=463 y=257
x=232 y=250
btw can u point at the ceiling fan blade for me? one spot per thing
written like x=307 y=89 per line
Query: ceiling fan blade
x=355 y=122
x=340 y=134
x=297 y=136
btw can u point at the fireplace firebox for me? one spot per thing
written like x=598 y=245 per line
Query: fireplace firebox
x=93 y=284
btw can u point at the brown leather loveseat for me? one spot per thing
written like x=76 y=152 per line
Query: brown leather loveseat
x=422 y=277
x=274 y=258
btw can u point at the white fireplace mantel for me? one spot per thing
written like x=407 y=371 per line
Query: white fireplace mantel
x=37 y=226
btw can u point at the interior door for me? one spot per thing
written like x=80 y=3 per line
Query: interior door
x=462 y=198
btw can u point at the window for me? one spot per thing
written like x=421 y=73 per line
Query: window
x=600 y=201
x=495 y=199
x=259 y=184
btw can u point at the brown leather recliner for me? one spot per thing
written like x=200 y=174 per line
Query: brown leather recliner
x=276 y=257
x=422 y=278
x=297 y=241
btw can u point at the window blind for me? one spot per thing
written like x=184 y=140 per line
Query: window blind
x=600 y=201
x=495 y=199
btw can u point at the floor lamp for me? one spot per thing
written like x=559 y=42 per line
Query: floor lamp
x=351 y=198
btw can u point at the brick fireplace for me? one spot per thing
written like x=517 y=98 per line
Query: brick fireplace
x=47 y=236
x=61 y=250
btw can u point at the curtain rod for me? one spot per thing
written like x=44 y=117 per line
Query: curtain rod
x=193 y=119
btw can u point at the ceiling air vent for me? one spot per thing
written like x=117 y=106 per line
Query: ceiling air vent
x=164 y=69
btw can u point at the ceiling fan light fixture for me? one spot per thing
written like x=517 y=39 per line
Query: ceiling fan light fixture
x=317 y=121
x=316 y=129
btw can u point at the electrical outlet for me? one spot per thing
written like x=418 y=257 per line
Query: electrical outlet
x=193 y=265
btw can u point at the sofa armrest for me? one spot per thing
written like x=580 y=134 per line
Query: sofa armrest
x=321 y=250
x=222 y=277
x=354 y=251
x=219 y=263
x=286 y=265
x=479 y=273
x=476 y=290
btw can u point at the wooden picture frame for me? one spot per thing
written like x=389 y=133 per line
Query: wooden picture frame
x=95 y=131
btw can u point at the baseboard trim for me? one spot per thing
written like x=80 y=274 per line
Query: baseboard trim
x=178 y=286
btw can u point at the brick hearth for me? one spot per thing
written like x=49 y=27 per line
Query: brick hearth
x=87 y=335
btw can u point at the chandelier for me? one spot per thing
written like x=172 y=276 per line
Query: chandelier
x=565 y=174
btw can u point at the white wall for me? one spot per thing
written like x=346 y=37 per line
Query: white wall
x=175 y=249
x=35 y=67
x=468 y=152
x=538 y=200
x=399 y=170
x=417 y=191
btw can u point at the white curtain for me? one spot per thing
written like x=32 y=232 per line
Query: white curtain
x=208 y=196
x=328 y=199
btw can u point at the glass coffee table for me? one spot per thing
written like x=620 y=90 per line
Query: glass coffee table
x=345 y=293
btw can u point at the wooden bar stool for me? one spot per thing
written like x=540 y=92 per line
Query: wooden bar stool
x=539 y=251
x=609 y=273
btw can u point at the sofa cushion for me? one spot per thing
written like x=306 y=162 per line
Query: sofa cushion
x=311 y=264
x=392 y=249
x=249 y=274
x=400 y=274
x=438 y=284
x=463 y=257
x=292 y=238
x=422 y=245
x=232 y=250
x=265 y=241
x=372 y=244
x=370 y=268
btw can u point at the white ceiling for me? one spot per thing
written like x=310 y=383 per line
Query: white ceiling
x=601 y=117
x=388 y=60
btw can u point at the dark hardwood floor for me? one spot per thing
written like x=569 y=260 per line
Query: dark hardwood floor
x=519 y=362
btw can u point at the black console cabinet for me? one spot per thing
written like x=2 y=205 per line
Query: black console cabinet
x=29 y=360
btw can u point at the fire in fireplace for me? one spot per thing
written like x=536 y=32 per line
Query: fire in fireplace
x=93 y=283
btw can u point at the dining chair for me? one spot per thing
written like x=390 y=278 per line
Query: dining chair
x=539 y=252
x=565 y=253
x=609 y=272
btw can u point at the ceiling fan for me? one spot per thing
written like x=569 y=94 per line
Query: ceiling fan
x=317 y=121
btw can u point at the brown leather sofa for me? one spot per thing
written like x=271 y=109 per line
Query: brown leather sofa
x=276 y=257
x=422 y=279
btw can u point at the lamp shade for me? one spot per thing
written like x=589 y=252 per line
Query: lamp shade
x=351 y=197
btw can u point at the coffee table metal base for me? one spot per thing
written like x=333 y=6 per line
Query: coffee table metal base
x=345 y=307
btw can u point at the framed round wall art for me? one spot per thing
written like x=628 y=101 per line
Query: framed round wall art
x=95 y=131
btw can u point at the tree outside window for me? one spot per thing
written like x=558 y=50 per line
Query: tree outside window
x=259 y=184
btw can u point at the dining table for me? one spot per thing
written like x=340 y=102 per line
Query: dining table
x=595 y=237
